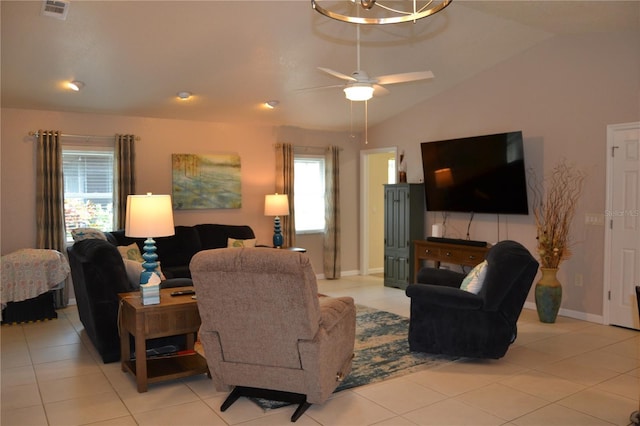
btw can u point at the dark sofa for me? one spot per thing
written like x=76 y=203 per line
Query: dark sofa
x=175 y=252
x=99 y=274
x=448 y=320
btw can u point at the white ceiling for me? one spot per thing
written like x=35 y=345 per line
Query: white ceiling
x=134 y=56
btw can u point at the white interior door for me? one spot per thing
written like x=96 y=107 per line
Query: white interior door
x=623 y=224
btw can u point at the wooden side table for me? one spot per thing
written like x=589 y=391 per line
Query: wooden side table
x=448 y=253
x=172 y=316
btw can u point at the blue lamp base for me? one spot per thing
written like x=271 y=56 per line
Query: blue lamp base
x=150 y=263
x=278 y=240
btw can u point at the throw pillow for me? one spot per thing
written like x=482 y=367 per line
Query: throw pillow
x=474 y=281
x=134 y=269
x=80 y=234
x=232 y=242
x=131 y=252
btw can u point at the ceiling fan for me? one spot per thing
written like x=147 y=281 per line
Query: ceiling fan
x=362 y=87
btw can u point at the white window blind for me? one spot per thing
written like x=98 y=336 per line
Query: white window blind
x=88 y=188
x=309 y=193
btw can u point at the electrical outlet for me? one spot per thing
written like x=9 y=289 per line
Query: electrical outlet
x=595 y=219
x=578 y=280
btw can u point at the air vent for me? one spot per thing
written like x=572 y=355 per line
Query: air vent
x=55 y=8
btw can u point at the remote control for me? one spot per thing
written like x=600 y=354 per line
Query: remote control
x=183 y=293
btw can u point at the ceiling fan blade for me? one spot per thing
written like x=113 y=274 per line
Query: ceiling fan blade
x=308 y=89
x=404 y=78
x=380 y=90
x=337 y=74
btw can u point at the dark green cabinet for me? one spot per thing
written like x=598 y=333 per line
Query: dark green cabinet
x=404 y=211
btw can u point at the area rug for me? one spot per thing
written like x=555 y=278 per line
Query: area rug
x=381 y=352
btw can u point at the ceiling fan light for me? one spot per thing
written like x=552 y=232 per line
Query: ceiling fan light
x=359 y=92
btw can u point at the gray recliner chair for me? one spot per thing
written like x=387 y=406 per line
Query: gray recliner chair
x=265 y=331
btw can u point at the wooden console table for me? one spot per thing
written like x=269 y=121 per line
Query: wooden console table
x=174 y=315
x=438 y=252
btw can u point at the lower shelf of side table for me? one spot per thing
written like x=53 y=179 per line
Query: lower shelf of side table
x=171 y=367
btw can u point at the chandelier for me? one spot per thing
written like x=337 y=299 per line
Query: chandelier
x=380 y=12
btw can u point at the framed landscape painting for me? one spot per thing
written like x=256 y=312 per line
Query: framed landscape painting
x=206 y=181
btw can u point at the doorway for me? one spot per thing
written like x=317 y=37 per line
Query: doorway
x=374 y=172
x=622 y=227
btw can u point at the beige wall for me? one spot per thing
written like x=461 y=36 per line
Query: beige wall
x=378 y=166
x=562 y=94
x=159 y=139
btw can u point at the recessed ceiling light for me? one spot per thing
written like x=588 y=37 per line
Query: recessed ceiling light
x=272 y=104
x=75 y=85
x=184 y=95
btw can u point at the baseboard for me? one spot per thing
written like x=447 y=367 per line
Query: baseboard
x=342 y=274
x=583 y=316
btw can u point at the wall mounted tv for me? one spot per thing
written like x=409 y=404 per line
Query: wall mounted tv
x=479 y=174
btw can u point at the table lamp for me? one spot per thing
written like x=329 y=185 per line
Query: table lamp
x=276 y=205
x=149 y=216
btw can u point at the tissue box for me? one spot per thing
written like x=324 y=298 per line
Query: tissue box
x=150 y=294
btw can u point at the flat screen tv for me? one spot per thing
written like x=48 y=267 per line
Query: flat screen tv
x=479 y=174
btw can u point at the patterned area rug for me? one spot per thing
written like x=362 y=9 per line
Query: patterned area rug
x=381 y=352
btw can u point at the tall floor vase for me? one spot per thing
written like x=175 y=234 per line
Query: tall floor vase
x=548 y=295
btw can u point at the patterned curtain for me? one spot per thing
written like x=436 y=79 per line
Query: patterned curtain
x=50 y=227
x=331 y=261
x=284 y=185
x=124 y=176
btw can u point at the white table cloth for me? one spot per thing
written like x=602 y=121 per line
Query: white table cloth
x=28 y=273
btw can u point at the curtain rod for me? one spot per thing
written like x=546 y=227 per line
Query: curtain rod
x=276 y=145
x=65 y=135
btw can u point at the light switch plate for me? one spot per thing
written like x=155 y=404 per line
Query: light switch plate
x=595 y=219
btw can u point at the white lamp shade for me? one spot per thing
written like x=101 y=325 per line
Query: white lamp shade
x=276 y=205
x=149 y=216
x=359 y=92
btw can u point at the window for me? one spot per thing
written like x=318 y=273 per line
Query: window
x=309 y=193
x=391 y=170
x=88 y=188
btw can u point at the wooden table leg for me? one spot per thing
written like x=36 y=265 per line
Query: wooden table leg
x=141 y=362
x=125 y=349
x=190 y=341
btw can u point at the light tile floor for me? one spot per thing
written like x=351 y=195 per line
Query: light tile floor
x=568 y=373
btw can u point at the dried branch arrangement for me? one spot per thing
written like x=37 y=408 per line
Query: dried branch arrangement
x=554 y=209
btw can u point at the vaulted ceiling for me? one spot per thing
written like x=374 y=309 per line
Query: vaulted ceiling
x=134 y=56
